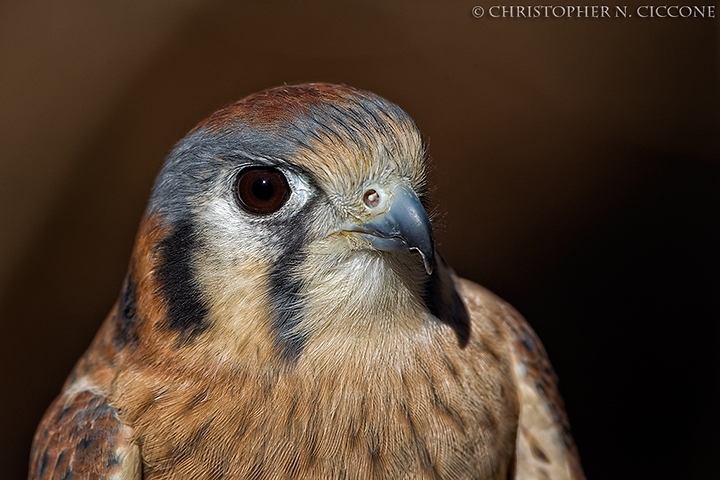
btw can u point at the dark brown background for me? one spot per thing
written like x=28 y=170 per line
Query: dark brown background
x=576 y=162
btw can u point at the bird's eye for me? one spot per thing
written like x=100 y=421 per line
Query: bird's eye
x=262 y=190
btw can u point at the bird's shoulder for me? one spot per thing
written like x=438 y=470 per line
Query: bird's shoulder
x=81 y=434
x=544 y=443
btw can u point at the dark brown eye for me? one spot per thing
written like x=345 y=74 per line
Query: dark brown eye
x=262 y=190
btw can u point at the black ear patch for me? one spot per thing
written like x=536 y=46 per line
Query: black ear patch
x=127 y=319
x=443 y=301
x=186 y=309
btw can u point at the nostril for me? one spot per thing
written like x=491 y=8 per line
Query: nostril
x=371 y=198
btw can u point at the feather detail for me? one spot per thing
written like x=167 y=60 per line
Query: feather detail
x=545 y=447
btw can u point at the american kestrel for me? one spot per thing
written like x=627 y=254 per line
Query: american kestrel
x=286 y=315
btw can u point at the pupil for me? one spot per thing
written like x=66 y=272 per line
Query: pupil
x=262 y=189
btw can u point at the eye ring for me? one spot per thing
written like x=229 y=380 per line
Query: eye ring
x=261 y=190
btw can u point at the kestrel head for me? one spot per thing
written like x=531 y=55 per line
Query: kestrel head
x=293 y=214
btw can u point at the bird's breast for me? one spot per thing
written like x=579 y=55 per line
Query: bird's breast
x=428 y=410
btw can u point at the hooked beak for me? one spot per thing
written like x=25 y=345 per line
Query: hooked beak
x=404 y=226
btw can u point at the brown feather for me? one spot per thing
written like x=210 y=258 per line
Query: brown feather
x=82 y=437
x=545 y=447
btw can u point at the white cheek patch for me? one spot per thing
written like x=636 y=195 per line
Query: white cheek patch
x=228 y=232
x=226 y=228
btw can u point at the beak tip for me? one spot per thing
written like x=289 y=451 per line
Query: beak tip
x=428 y=267
x=428 y=259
